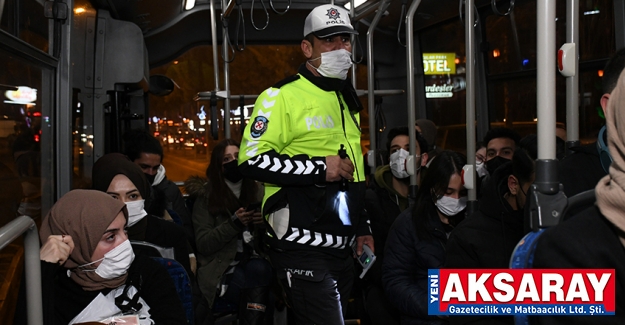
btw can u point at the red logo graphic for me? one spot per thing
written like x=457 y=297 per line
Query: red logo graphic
x=333 y=13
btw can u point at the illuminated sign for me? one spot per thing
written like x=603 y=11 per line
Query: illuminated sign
x=23 y=95
x=439 y=91
x=439 y=63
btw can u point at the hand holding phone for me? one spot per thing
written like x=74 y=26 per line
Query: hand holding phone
x=254 y=206
x=366 y=259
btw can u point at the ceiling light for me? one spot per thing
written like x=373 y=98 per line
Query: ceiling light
x=189 y=4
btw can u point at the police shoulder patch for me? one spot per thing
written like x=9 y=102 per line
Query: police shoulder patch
x=258 y=127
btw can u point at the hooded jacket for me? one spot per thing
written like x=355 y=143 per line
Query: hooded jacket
x=295 y=126
x=595 y=237
x=487 y=238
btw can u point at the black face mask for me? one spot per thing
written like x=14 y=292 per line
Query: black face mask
x=231 y=171
x=494 y=163
x=150 y=178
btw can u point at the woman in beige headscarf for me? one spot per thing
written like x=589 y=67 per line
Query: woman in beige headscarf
x=86 y=256
x=594 y=238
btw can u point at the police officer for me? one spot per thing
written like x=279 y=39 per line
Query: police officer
x=313 y=201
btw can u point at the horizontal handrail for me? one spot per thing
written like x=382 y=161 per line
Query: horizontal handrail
x=10 y=232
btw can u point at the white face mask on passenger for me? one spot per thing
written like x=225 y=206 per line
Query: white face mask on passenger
x=480 y=168
x=136 y=211
x=450 y=206
x=398 y=163
x=115 y=263
x=335 y=64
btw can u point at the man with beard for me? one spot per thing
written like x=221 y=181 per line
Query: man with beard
x=385 y=200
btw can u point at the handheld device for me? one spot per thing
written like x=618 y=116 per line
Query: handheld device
x=366 y=259
x=343 y=155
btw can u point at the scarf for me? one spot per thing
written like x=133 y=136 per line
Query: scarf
x=610 y=190
x=85 y=215
x=113 y=164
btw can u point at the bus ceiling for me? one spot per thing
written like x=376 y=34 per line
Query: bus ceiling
x=169 y=29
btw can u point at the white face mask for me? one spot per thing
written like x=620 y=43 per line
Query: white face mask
x=335 y=64
x=136 y=211
x=480 y=168
x=115 y=263
x=449 y=206
x=398 y=163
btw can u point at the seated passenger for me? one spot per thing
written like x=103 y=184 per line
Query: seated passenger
x=416 y=241
x=146 y=151
x=229 y=266
x=87 y=260
x=384 y=201
x=500 y=146
x=595 y=237
x=116 y=175
x=487 y=238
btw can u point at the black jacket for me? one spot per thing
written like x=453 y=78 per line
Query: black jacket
x=63 y=299
x=175 y=202
x=383 y=205
x=406 y=263
x=581 y=170
x=165 y=234
x=587 y=241
x=487 y=238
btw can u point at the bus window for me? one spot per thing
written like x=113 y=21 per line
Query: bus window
x=27 y=23
x=183 y=124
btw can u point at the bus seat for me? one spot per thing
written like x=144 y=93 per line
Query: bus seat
x=183 y=285
x=523 y=254
x=152 y=250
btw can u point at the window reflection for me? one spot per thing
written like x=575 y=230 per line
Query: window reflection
x=20 y=139
x=25 y=19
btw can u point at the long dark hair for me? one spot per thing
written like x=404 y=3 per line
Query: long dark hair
x=221 y=198
x=434 y=185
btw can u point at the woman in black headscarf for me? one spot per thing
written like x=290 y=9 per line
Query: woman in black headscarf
x=116 y=175
x=86 y=257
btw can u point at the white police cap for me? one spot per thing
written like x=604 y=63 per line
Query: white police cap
x=328 y=20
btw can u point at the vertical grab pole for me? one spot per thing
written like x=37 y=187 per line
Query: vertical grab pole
x=371 y=79
x=214 y=44
x=546 y=165
x=412 y=103
x=546 y=201
x=33 y=275
x=469 y=35
x=572 y=83
x=352 y=14
x=225 y=49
